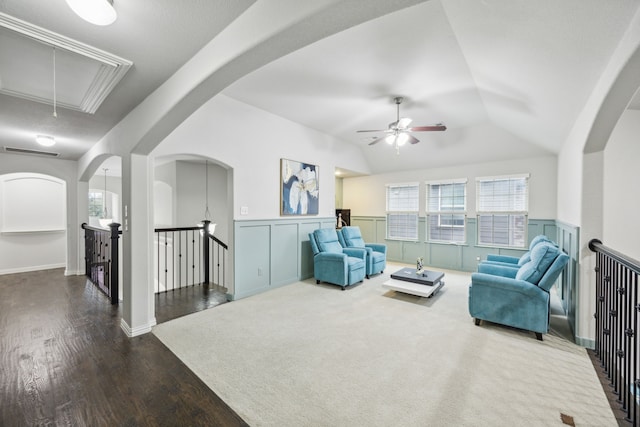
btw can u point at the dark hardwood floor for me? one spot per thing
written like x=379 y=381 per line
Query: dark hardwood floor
x=65 y=361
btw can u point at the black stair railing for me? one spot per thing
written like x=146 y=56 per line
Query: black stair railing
x=617 y=307
x=101 y=247
x=189 y=256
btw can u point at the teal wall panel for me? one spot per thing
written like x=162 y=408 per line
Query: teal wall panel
x=284 y=253
x=272 y=253
x=568 y=237
x=252 y=259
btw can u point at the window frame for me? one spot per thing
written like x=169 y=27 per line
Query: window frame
x=450 y=211
x=515 y=209
x=95 y=198
x=411 y=213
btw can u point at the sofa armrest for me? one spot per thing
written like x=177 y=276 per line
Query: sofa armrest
x=503 y=258
x=331 y=256
x=378 y=247
x=355 y=252
x=506 y=284
x=497 y=269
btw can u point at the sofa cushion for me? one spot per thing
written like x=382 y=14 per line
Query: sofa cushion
x=524 y=258
x=352 y=237
x=538 y=239
x=542 y=255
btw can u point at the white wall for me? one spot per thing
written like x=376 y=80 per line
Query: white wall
x=252 y=142
x=114 y=196
x=27 y=252
x=165 y=200
x=192 y=200
x=366 y=196
x=621 y=195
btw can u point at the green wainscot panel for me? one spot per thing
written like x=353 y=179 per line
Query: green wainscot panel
x=306 y=253
x=252 y=259
x=284 y=253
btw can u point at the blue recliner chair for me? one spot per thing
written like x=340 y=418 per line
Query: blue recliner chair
x=334 y=264
x=517 y=262
x=350 y=237
x=517 y=297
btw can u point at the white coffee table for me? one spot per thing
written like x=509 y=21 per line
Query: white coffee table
x=425 y=284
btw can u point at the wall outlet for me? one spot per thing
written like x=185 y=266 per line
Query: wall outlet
x=478 y=258
x=259 y=271
x=244 y=210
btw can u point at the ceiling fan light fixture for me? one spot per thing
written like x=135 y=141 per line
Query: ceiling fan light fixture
x=402 y=139
x=390 y=139
x=45 y=140
x=97 y=12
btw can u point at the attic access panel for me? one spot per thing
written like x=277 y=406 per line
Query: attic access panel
x=84 y=75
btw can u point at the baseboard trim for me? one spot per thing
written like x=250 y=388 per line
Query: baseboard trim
x=139 y=330
x=32 y=268
x=586 y=342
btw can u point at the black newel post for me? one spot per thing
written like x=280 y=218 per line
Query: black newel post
x=205 y=249
x=115 y=275
x=88 y=249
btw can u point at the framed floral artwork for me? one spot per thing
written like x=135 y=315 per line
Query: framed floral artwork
x=298 y=188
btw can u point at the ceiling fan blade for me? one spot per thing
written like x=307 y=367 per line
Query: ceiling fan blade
x=413 y=139
x=375 y=141
x=438 y=127
x=379 y=130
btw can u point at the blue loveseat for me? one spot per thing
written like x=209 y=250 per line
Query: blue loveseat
x=517 y=296
x=334 y=264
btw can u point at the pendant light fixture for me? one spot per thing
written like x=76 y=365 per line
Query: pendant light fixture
x=105 y=219
x=207 y=215
x=97 y=12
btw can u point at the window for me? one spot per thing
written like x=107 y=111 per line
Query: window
x=502 y=209
x=96 y=203
x=447 y=211
x=402 y=211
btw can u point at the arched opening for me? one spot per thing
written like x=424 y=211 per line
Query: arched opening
x=187 y=190
x=33 y=222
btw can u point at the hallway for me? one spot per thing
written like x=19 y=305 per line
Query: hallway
x=65 y=361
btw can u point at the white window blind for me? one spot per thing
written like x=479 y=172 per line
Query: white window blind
x=447 y=211
x=402 y=211
x=502 y=209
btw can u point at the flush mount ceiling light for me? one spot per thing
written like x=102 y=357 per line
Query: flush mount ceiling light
x=45 y=141
x=97 y=12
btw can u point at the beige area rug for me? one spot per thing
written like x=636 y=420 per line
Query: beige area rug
x=314 y=355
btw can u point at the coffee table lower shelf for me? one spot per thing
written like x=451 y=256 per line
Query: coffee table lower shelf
x=417 y=289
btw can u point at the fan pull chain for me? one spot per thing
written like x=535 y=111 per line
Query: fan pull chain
x=55 y=113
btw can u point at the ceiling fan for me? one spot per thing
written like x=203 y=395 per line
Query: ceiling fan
x=399 y=132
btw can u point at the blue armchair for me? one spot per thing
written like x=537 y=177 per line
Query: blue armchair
x=517 y=297
x=350 y=237
x=334 y=264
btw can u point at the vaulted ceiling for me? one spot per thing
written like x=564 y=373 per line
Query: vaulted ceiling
x=508 y=78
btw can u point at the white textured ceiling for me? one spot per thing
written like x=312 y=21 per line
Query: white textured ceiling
x=507 y=77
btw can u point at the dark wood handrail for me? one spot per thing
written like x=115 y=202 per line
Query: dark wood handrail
x=218 y=241
x=197 y=227
x=596 y=246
